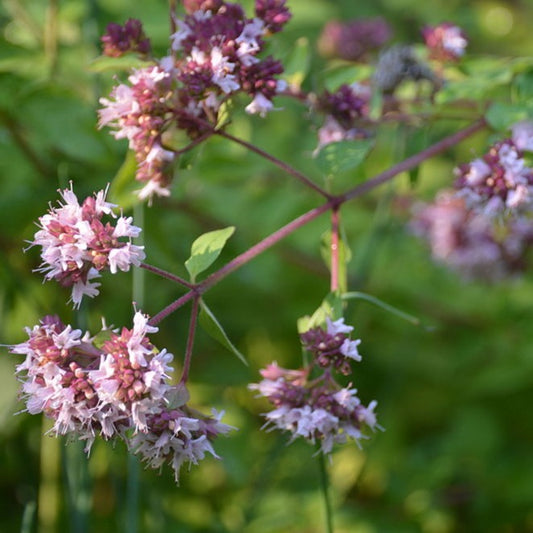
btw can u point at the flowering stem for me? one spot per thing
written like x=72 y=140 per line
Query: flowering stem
x=333 y=203
x=324 y=484
x=263 y=245
x=76 y=475
x=334 y=249
x=194 y=143
x=166 y=275
x=169 y=309
x=190 y=340
x=281 y=164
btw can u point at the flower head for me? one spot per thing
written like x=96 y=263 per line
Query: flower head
x=55 y=378
x=497 y=182
x=469 y=242
x=316 y=410
x=138 y=112
x=79 y=241
x=177 y=435
x=315 y=407
x=215 y=54
x=446 y=41
x=332 y=346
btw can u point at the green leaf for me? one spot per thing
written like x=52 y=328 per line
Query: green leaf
x=213 y=328
x=523 y=87
x=331 y=307
x=345 y=255
x=376 y=105
x=483 y=76
x=501 y=115
x=342 y=156
x=123 y=186
x=296 y=65
x=114 y=64
x=100 y=338
x=224 y=114
x=205 y=249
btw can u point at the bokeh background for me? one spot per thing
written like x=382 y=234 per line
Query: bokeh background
x=454 y=395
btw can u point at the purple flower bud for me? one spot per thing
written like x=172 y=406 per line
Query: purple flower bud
x=118 y=40
x=273 y=13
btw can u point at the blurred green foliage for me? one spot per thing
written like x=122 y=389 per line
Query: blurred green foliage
x=456 y=453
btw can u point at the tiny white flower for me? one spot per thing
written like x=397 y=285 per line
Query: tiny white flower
x=260 y=105
x=337 y=327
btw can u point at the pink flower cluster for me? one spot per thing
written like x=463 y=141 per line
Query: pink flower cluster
x=484 y=229
x=470 y=243
x=499 y=181
x=214 y=55
x=445 y=41
x=139 y=112
x=118 y=388
x=79 y=241
x=318 y=408
x=342 y=110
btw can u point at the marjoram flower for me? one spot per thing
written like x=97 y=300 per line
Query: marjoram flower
x=118 y=388
x=79 y=241
x=316 y=407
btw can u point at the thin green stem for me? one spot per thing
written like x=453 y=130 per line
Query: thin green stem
x=324 y=485
x=334 y=249
x=76 y=475
x=28 y=517
x=356 y=295
x=190 y=340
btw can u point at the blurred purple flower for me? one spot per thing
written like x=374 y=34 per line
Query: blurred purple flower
x=445 y=42
x=353 y=40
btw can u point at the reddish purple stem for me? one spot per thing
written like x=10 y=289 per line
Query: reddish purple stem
x=333 y=203
x=281 y=164
x=167 y=275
